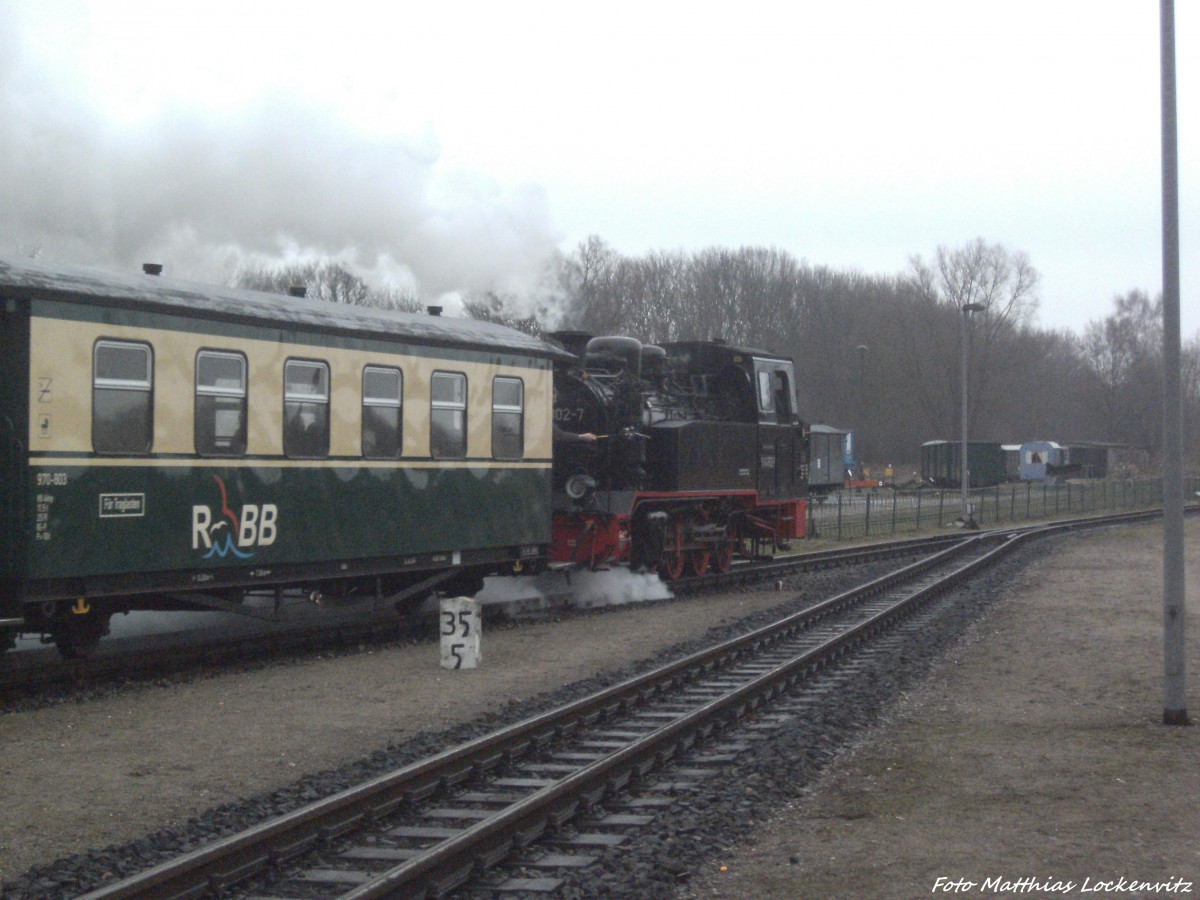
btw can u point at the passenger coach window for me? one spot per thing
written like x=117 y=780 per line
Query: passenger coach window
x=448 y=415
x=508 y=418
x=122 y=397
x=383 y=390
x=305 y=408
x=220 y=403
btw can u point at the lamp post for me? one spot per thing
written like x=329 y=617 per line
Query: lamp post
x=862 y=400
x=968 y=513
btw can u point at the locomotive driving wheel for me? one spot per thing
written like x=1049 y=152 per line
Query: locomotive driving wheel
x=673 y=559
x=670 y=567
x=722 y=558
x=698 y=561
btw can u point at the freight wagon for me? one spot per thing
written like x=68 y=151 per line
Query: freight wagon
x=941 y=463
x=828 y=448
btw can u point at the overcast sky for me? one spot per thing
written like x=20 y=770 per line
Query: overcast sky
x=453 y=145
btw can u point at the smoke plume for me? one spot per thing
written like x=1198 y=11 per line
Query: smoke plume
x=277 y=181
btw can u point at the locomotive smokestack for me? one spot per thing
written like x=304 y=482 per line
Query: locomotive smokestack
x=434 y=310
x=152 y=268
x=298 y=290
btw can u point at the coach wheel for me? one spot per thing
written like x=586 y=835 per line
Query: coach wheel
x=77 y=636
x=722 y=558
x=698 y=561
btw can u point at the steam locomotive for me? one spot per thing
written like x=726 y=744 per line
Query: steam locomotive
x=674 y=457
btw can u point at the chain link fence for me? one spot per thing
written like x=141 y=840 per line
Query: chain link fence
x=884 y=512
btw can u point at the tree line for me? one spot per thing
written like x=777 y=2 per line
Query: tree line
x=880 y=355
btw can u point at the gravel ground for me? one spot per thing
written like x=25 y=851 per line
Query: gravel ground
x=176 y=760
x=1042 y=763
x=1033 y=755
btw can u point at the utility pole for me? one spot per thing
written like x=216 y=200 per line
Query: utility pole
x=1174 y=672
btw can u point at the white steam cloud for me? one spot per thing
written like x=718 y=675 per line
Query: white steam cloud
x=278 y=180
x=582 y=590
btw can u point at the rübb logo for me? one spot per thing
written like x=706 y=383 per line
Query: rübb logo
x=226 y=532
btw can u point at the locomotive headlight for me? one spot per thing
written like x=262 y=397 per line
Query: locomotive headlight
x=578 y=486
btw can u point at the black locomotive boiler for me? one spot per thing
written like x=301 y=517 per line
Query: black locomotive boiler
x=675 y=457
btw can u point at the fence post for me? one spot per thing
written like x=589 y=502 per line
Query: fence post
x=941 y=504
x=919 y=493
x=867 y=517
x=895 y=498
x=839 y=525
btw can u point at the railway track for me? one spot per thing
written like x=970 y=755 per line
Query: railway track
x=33 y=674
x=440 y=824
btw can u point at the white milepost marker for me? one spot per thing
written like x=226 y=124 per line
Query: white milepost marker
x=461 y=626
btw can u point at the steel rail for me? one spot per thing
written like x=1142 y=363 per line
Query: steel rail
x=350 y=627
x=230 y=859
x=273 y=843
x=447 y=865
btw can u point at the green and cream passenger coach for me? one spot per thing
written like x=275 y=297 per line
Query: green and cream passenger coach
x=172 y=446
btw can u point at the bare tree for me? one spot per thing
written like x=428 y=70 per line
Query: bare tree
x=1190 y=384
x=1124 y=353
x=492 y=307
x=902 y=389
x=975 y=275
x=981 y=273
x=328 y=281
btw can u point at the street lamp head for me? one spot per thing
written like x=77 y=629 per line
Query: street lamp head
x=973 y=307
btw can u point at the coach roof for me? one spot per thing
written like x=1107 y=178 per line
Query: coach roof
x=26 y=277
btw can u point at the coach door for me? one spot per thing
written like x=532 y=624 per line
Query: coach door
x=14 y=400
x=780 y=442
